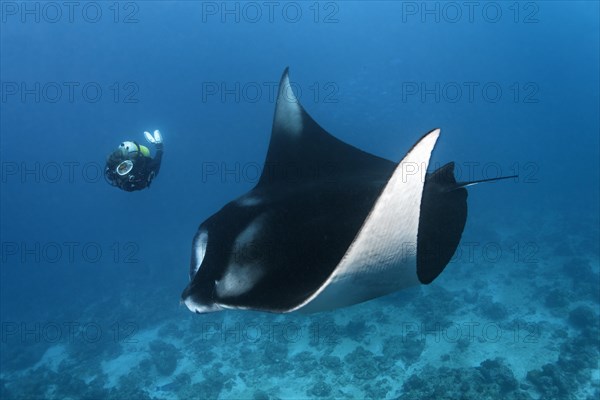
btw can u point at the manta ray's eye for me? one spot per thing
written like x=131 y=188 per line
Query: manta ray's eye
x=198 y=251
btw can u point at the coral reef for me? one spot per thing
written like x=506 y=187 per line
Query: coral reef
x=551 y=382
x=357 y=330
x=491 y=310
x=556 y=298
x=437 y=307
x=360 y=364
x=319 y=389
x=165 y=356
x=406 y=348
x=585 y=319
x=491 y=380
x=390 y=348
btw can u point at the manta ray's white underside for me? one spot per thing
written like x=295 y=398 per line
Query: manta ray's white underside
x=382 y=257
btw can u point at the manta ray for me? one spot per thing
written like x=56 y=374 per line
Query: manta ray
x=327 y=225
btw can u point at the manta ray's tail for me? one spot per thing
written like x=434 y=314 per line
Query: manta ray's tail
x=475 y=182
x=446 y=182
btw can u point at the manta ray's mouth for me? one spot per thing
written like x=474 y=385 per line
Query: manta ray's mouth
x=198 y=307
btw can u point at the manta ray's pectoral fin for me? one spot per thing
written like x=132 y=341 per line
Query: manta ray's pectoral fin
x=300 y=149
x=442 y=220
x=441 y=223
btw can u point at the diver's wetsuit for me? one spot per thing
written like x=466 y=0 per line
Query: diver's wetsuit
x=141 y=175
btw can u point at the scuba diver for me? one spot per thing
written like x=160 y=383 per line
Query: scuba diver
x=130 y=167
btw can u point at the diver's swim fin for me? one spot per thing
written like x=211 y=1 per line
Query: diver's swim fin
x=149 y=137
x=157 y=138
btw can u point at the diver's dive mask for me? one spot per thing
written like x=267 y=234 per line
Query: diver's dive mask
x=124 y=167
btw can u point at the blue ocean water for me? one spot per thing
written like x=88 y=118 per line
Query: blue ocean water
x=91 y=276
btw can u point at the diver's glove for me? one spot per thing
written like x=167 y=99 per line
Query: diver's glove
x=154 y=139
